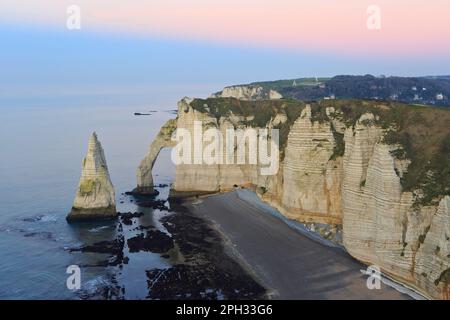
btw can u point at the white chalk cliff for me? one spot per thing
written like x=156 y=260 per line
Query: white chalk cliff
x=359 y=189
x=248 y=92
x=95 y=197
x=380 y=224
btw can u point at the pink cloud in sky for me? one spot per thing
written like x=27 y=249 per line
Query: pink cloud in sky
x=414 y=27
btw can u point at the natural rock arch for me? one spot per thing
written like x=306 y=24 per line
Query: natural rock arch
x=144 y=171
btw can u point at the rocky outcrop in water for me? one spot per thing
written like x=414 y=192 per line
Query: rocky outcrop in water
x=95 y=197
x=144 y=171
x=341 y=166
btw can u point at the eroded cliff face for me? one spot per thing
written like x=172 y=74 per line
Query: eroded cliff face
x=381 y=226
x=213 y=177
x=311 y=180
x=248 y=92
x=335 y=169
x=95 y=197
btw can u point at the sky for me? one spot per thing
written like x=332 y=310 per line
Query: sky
x=215 y=43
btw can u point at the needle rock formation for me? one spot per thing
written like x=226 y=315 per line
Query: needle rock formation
x=95 y=198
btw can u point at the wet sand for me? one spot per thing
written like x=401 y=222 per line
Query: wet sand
x=288 y=263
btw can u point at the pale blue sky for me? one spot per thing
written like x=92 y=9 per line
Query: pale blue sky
x=37 y=57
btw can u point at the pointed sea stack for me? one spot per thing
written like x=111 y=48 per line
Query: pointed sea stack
x=95 y=198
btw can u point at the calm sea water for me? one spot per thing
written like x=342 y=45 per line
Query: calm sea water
x=42 y=146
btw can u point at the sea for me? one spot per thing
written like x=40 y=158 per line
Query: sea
x=43 y=139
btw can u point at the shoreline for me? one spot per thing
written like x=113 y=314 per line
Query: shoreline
x=346 y=281
x=230 y=250
x=197 y=263
x=385 y=277
x=233 y=245
x=203 y=256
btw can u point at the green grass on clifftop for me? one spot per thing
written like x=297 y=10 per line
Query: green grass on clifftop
x=422 y=133
x=261 y=111
x=423 y=136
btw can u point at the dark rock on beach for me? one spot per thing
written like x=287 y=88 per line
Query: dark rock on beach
x=109 y=247
x=205 y=281
x=154 y=241
x=154 y=204
x=148 y=200
x=127 y=217
x=201 y=267
x=143 y=228
x=113 y=248
x=143 y=191
x=207 y=271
